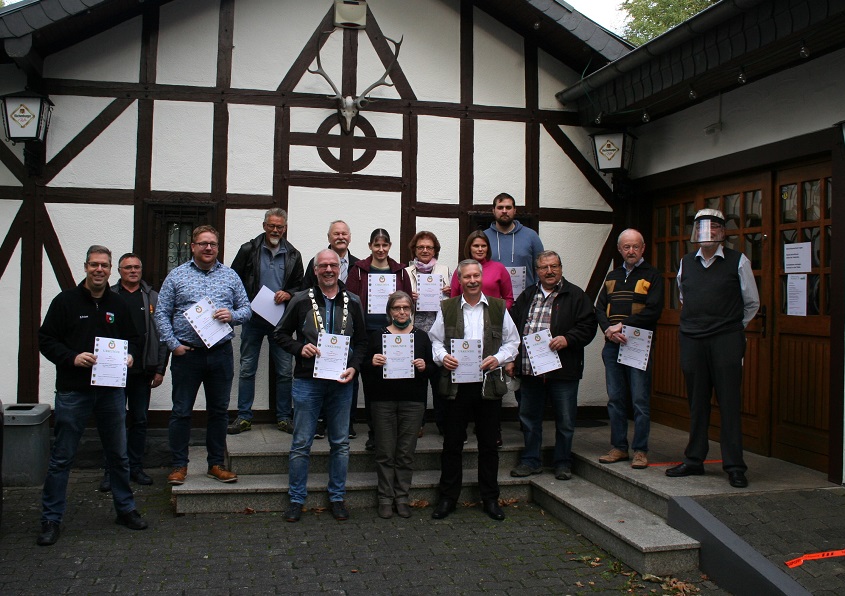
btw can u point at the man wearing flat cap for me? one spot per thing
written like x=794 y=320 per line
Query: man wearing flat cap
x=718 y=297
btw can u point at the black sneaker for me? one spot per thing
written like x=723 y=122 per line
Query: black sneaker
x=370 y=445
x=320 y=433
x=352 y=433
x=339 y=512
x=132 y=520
x=50 y=531
x=140 y=477
x=105 y=483
x=294 y=512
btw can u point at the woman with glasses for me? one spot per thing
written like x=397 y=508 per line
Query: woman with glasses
x=397 y=405
x=380 y=267
x=426 y=249
x=495 y=281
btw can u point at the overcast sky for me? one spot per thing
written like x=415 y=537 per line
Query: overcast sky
x=604 y=12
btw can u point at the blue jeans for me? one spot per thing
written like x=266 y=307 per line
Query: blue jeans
x=564 y=398
x=72 y=411
x=624 y=382
x=309 y=397
x=214 y=369
x=253 y=333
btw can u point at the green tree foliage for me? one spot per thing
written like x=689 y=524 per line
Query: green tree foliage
x=649 y=18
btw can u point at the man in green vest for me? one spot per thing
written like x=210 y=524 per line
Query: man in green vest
x=475 y=340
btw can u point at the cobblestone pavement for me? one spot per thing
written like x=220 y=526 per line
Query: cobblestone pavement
x=529 y=553
x=787 y=524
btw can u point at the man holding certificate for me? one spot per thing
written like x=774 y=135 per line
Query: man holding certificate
x=556 y=320
x=198 y=302
x=330 y=344
x=473 y=337
x=632 y=297
x=79 y=319
x=270 y=268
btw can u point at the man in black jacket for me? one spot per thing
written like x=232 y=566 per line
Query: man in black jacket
x=326 y=308
x=267 y=260
x=563 y=309
x=147 y=371
x=67 y=339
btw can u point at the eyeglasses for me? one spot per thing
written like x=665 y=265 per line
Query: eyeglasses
x=130 y=267
x=275 y=227
x=204 y=245
x=328 y=266
x=98 y=265
x=401 y=308
x=425 y=248
x=548 y=267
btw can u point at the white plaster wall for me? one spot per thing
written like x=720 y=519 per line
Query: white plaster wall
x=797 y=101
x=187 y=43
x=430 y=50
x=499 y=161
x=10 y=298
x=438 y=160
x=553 y=76
x=250 y=163
x=109 y=161
x=309 y=119
x=268 y=37
x=71 y=114
x=6 y=176
x=448 y=234
x=579 y=247
x=498 y=77
x=243 y=225
x=362 y=210
x=78 y=226
x=182 y=141
x=562 y=185
x=113 y=55
x=371 y=69
x=306 y=159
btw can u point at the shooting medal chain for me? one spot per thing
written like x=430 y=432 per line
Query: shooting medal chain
x=319 y=317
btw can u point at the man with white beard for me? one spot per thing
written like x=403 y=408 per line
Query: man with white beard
x=267 y=260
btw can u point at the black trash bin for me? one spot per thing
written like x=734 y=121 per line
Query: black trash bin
x=26 y=444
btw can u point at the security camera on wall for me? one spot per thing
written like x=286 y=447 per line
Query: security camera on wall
x=350 y=14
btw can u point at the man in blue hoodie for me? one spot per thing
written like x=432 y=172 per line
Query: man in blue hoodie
x=512 y=244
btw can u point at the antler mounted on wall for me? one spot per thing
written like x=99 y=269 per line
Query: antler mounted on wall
x=348 y=107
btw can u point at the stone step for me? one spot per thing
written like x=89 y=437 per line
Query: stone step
x=268 y=492
x=640 y=538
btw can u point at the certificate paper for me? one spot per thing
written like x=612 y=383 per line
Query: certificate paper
x=517 y=275
x=399 y=351
x=110 y=369
x=379 y=287
x=636 y=350
x=430 y=290
x=334 y=351
x=200 y=317
x=543 y=359
x=264 y=304
x=468 y=353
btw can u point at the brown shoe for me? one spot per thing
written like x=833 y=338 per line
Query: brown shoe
x=613 y=456
x=640 y=460
x=222 y=474
x=177 y=476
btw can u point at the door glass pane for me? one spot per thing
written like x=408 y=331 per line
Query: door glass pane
x=732 y=242
x=811 y=235
x=178 y=244
x=812 y=200
x=827 y=195
x=689 y=217
x=789 y=203
x=660 y=265
x=827 y=246
x=661 y=222
x=753 y=249
x=712 y=203
x=674 y=256
x=786 y=237
x=732 y=212
x=753 y=209
x=814 y=294
x=674 y=220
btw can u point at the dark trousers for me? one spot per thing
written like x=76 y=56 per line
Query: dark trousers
x=138 y=391
x=714 y=363
x=468 y=405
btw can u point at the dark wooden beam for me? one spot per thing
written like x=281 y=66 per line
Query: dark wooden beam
x=24 y=55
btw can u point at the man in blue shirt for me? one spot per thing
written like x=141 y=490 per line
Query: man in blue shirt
x=193 y=364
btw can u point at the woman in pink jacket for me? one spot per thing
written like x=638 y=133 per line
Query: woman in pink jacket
x=495 y=281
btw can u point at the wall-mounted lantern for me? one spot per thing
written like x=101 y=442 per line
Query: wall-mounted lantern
x=613 y=152
x=26 y=116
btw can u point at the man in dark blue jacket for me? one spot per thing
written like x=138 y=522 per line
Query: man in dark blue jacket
x=67 y=339
x=563 y=309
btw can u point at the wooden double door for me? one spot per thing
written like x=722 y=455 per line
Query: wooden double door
x=786 y=377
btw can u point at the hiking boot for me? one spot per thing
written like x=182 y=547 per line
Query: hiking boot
x=523 y=470
x=222 y=474
x=240 y=425
x=285 y=425
x=613 y=456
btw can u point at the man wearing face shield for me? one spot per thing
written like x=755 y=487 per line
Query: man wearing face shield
x=719 y=297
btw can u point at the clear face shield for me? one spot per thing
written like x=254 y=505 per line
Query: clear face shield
x=707 y=229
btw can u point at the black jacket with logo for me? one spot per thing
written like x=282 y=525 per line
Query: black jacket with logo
x=72 y=322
